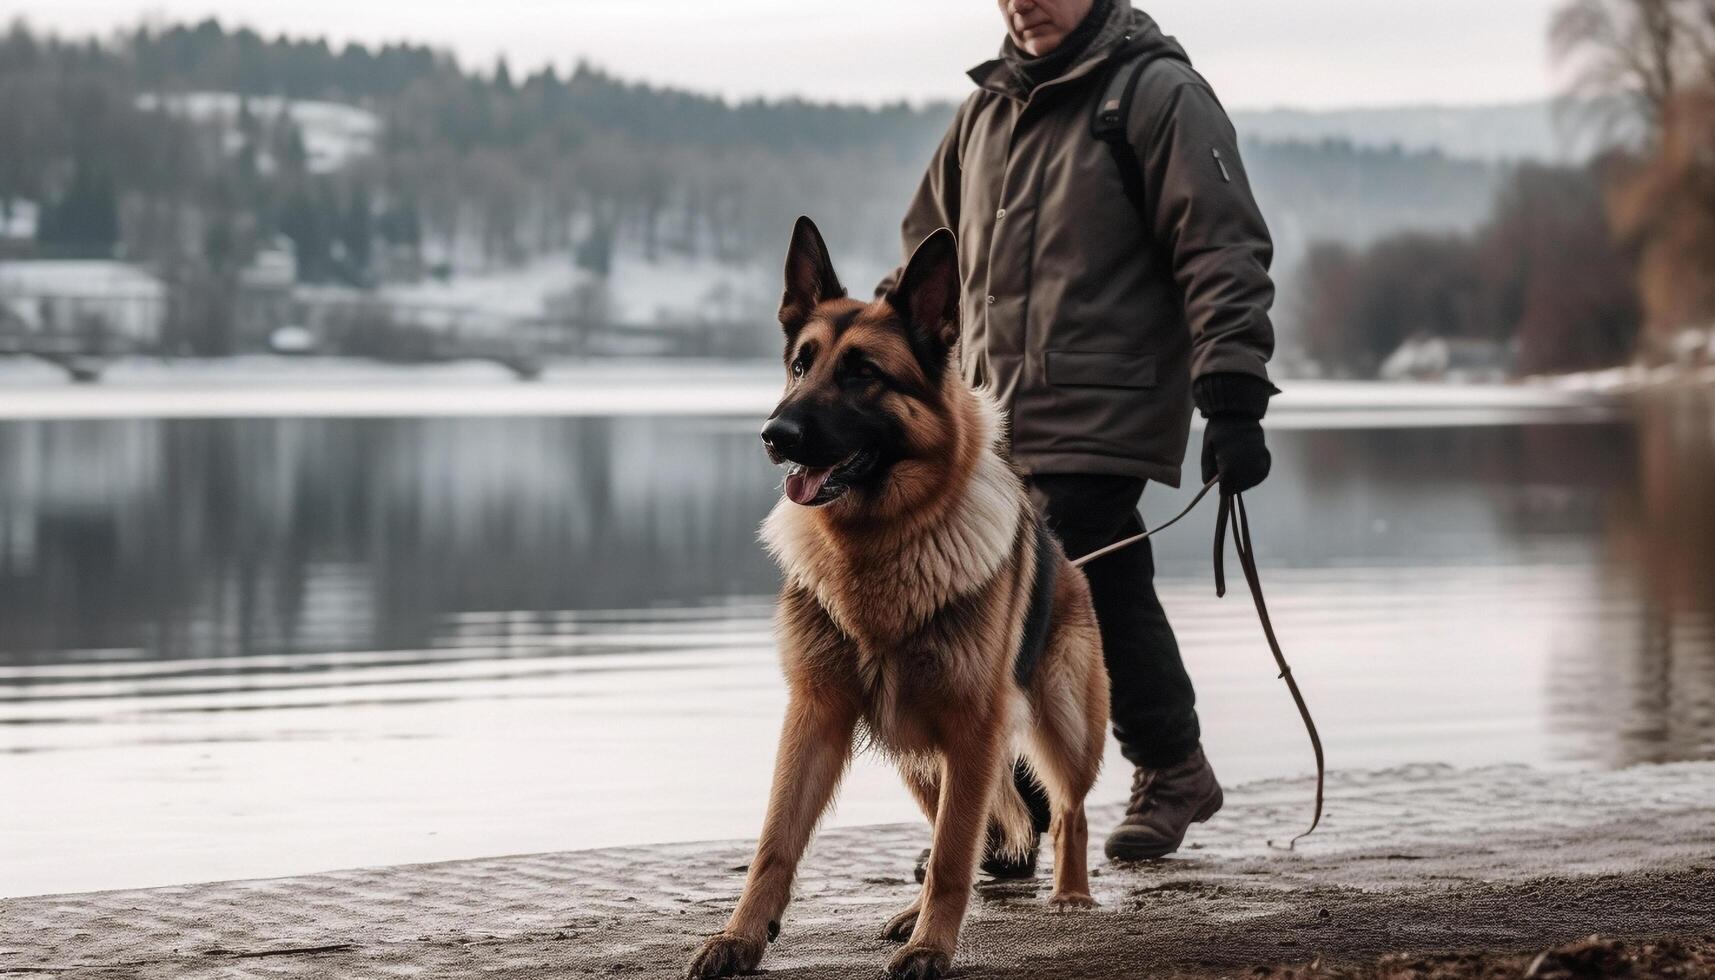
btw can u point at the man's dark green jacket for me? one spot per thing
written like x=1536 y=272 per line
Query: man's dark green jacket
x=1088 y=318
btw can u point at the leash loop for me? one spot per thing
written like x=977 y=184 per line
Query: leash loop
x=1233 y=505
x=1232 y=513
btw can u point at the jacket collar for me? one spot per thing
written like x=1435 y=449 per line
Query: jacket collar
x=1033 y=71
x=1126 y=31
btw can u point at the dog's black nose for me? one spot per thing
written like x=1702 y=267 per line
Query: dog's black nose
x=783 y=435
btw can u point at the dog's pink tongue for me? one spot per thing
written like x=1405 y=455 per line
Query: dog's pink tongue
x=802 y=486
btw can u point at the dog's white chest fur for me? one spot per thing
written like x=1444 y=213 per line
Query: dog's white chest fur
x=909 y=580
x=894 y=586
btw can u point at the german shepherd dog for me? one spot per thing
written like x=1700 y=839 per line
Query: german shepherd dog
x=918 y=581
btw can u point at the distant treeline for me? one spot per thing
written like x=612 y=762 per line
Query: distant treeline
x=1544 y=279
x=1575 y=268
x=495 y=108
x=484 y=169
x=463 y=156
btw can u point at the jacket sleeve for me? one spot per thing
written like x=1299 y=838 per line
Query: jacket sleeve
x=936 y=203
x=1206 y=219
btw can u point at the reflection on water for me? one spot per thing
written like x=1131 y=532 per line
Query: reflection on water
x=280 y=646
x=231 y=538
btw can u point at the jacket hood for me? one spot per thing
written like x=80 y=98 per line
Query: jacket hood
x=1127 y=33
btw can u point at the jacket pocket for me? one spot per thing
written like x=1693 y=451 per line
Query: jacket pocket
x=1100 y=369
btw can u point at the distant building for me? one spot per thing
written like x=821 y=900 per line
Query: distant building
x=19 y=220
x=273 y=268
x=265 y=294
x=1449 y=359
x=86 y=304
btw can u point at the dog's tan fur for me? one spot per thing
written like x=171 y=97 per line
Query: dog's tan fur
x=899 y=622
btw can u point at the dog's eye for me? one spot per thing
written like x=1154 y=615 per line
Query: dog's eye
x=799 y=367
x=862 y=371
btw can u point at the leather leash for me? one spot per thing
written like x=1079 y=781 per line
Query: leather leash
x=1232 y=513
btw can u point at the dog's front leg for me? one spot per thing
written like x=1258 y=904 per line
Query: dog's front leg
x=970 y=772
x=815 y=745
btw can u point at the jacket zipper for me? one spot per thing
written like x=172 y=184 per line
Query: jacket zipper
x=1222 y=163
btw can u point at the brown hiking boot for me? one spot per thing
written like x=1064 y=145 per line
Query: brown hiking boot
x=1164 y=804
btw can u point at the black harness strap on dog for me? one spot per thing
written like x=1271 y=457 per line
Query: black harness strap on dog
x=1040 y=610
x=1232 y=513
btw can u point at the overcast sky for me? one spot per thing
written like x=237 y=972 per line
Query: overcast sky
x=1259 y=53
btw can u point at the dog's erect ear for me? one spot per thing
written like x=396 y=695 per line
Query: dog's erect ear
x=810 y=276
x=927 y=298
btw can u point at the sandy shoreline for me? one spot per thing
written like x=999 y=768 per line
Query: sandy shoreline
x=1416 y=861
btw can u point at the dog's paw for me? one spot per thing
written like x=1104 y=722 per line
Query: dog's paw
x=900 y=927
x=919 y=963
x=1070 y=902
x=726 y=955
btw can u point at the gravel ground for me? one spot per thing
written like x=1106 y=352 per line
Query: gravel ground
x=1422 y=872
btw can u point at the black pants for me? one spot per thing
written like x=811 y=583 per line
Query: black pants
x=1153 y=705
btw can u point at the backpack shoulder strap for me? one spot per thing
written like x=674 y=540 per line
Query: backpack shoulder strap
x=1113 y=111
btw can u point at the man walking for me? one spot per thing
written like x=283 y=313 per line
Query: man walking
x=1115 y=269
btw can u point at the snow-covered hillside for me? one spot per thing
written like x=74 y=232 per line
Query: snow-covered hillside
x=334 y=133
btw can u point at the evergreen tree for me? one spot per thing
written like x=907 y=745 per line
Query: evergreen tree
x=84 y=222
x=357 y=234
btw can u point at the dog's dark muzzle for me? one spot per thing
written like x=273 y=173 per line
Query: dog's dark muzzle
x=783 y=437
x=794 y=434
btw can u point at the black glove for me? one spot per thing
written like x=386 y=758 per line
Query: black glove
x=1233 y=444
x=1233 y=447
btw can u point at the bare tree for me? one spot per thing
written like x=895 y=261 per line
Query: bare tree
x=1627 y=57
x=1703 y=38
x=1649 y=65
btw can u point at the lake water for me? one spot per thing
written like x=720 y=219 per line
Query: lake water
x=249 y=647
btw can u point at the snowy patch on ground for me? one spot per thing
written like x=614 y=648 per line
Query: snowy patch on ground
x=518 y=292
x=1694 y=364
x=334 y=133
x=684 y=289
x=669 y=289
